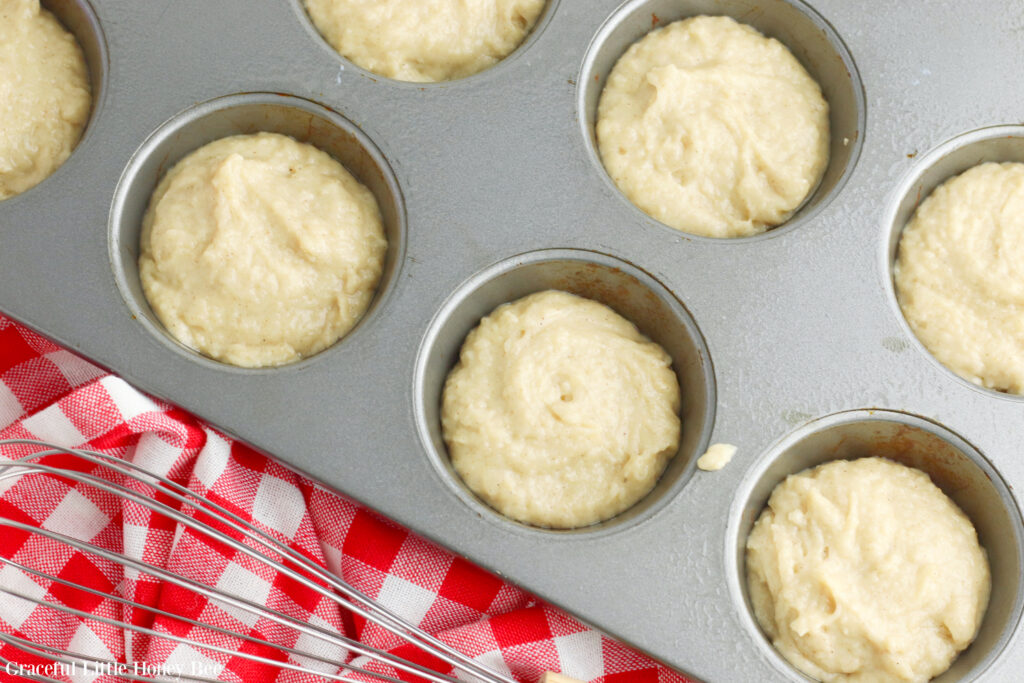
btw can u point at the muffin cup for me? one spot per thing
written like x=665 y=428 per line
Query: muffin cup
x=243 y=115
x=631 y=293
x=953 y=464
x=78 y=17
x=951 y=158
x=796 y=25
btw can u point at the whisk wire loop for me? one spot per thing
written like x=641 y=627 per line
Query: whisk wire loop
x=215 y=524
x=216 y=595
x=359 y=604
x=359 y=648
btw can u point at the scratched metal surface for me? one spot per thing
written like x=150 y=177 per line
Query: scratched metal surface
x=799 y=325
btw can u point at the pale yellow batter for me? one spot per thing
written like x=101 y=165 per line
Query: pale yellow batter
x=425 y=40
x=259 y=250
x=864 y=571
x=716 y=457
x=960 y=275
x=44 y=95
x=713 y=129
x=560 y=413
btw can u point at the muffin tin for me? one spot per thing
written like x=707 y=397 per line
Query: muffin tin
x=789 y=344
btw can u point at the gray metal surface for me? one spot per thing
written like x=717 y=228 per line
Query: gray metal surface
x=800 y=324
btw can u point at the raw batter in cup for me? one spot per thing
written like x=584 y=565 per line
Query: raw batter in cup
x=864 y=571
x=960 y=275
x=713 y=129
x=44 y=95
x=426 y=40
x=258 y=250
x=560 y=413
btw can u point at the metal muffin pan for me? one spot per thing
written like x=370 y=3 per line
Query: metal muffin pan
x=789 y=344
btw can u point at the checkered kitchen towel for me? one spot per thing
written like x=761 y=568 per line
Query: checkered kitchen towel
x=50 y=394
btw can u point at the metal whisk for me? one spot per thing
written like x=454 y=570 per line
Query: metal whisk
x=130 y=482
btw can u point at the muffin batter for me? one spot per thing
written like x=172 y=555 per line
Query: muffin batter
x=427 y=40
x=258 y=250
x=716 y=457
x=713 y=129
x=865 y=571
x=44 y=95
x=560 y=413
x=960 y=275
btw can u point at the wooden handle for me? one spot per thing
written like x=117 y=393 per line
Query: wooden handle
x=552 y=677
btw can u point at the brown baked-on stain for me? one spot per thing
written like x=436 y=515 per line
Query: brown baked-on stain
x=620 y=291
x=332 y=140
x=655 y=20
x=921 y=450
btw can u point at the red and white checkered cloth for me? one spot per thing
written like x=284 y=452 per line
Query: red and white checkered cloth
x=48 y=393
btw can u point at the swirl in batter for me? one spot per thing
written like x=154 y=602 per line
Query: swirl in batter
x=560 y=412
